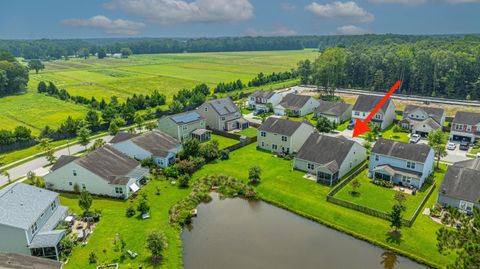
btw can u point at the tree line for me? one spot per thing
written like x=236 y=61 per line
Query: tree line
x=13 y=75
x=60 y=48
x=438 y=69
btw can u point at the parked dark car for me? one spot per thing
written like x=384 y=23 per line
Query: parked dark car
x=464 y=145
x=351 y=125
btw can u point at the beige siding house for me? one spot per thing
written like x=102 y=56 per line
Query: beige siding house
x=336 y=112
x=181 y=126
x=366 y=103
x=156 y=144
x=223 y=115
x=329 y=158
x=283 y=136
x=105 y=171
x=422 y=120
x=296 y=104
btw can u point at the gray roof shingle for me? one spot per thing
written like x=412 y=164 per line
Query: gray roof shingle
x=367 y=103
x=47 y=239
x=406 y=151
x=433 y=112
x=62 y=161
x=462 y=181
x=470 y=118
x=18 y=209
x=262 y=94
x=156 y=142
x=326 y=150
x=294 y=101
x=332 y=108
x=280 y=126
x=122 y=136
x=223 y=106
x=19 y=261
x=108 y=163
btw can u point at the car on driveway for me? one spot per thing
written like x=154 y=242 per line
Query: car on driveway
x=464 y=146
x=451 y=146
x=351 y=125
x=414 y=138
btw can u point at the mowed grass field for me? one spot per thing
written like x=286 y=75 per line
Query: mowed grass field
x=166 y=73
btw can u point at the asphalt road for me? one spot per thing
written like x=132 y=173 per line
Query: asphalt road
x=37 y=164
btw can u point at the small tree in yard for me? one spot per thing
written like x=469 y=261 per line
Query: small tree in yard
x=151 y=125
x=46 y=147
x=130 y=211
x=396 y=218
x=156 y=243
x=355 y=185
x=324 y=125
x=92 y=257
x=35 y=65
x=438 y=140
x=84 y=135
x=85 y=201
x=143 y=206
x=183 y=181
x=400 y=198
x=254 y=174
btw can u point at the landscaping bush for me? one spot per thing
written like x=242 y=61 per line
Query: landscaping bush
x=183 y=181
x=130 y=211
x=224 y=154
x=92 y=257
x=382 y=183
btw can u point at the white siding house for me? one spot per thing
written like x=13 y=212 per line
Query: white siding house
x=278 y=135
x=297 y=105
x=366 y=103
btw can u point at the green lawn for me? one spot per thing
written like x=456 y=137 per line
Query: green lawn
x=133 y=230
x=380 y=198
x=343 y=126
x=399 y=136
x=27 y=152
x=249 y=132
x=287 y=188
x=224 y=142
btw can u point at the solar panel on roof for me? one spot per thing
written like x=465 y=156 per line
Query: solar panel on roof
x=185 y=118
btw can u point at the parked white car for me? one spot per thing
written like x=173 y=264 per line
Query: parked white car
x=451 y=146
x=414 y=138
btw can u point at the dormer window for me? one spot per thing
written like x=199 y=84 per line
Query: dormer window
x=263 y=134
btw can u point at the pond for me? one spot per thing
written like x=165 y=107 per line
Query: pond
x=236 y=233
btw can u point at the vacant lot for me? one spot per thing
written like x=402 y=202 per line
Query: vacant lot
x=165 y=72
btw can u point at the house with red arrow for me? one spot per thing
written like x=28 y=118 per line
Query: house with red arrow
x=366 y=103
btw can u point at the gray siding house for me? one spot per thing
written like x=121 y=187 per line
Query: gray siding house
x=28 y=218
x=329 y=158
x=156 y=144
x=366 y=103
x=336 y=112
x=286 y=136
x=259 y=100
x=422 y=120
x=105 y=171
x=181 y=126
x=298 y=105
x=223 y=115
x=401 y=163
x=461 y=186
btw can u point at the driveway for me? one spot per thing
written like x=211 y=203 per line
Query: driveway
x=456 y=155
x=348 y=134
x=249 y=117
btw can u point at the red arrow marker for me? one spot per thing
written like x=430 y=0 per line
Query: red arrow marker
x=361 y=126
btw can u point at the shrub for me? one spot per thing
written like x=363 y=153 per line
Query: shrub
x=183 y=181
x=130 y=211
x=92 y=257
x=143 y=206
x=383 y=183
x=224 y=154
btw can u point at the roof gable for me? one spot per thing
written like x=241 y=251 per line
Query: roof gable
x=462 y=181
x=432 y=112
x=406 y=151
x=332 y=108
x=367 y=103
x=294 y=101
x=280 y=126
x=469 y=118
x=156 y=142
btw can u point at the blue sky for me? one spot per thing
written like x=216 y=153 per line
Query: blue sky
x=198 y=18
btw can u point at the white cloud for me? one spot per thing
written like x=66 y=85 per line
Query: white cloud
x=288 y=6
x=344 y=11
x=109 y=26
x=351 y=30
x=402 y=2
x=180 y=11
x=277 y=31
x=462 y=1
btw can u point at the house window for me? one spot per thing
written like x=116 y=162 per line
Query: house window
x=322 y=175
x=70 y=183
x=206 y=109
x=118 y=190
x=185 y=127
x=223 y=118
x=34 y=228
x=377 y=158
x=84 y=187
x=74 y=173
x=284 y=138
x=357 y=113
x=378 y=116
x=274 y=146
x=469 y=128
x=410 y=165
x=458 y=127
x=310 y=166
x=263 y=134
x=263 y=144
x=53 y=205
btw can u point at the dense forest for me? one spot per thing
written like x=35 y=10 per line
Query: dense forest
x=13 y=75
x=56 y=49
x=432 y=68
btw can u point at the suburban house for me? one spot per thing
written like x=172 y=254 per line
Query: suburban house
x=156 y=144
x=28 y=221
x=422 y=120
x=223 y=115
x=336 y=112
x=105 y=171
x=296 y=105
x=366 y=103
x=465 y=127
x=19 y=261
x=285 y=136
x=185 y=125
x=329 y=158
x=401 y=163
x=260 y=101
x=461 y=186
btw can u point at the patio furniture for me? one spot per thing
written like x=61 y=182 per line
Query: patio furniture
x=132 y=254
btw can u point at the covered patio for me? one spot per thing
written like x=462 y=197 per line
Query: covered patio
x=46 y=244
x=201 y=134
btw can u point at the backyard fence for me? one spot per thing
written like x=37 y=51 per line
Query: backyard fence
x=371 y=211
x=225 y=134
x=241 y=143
